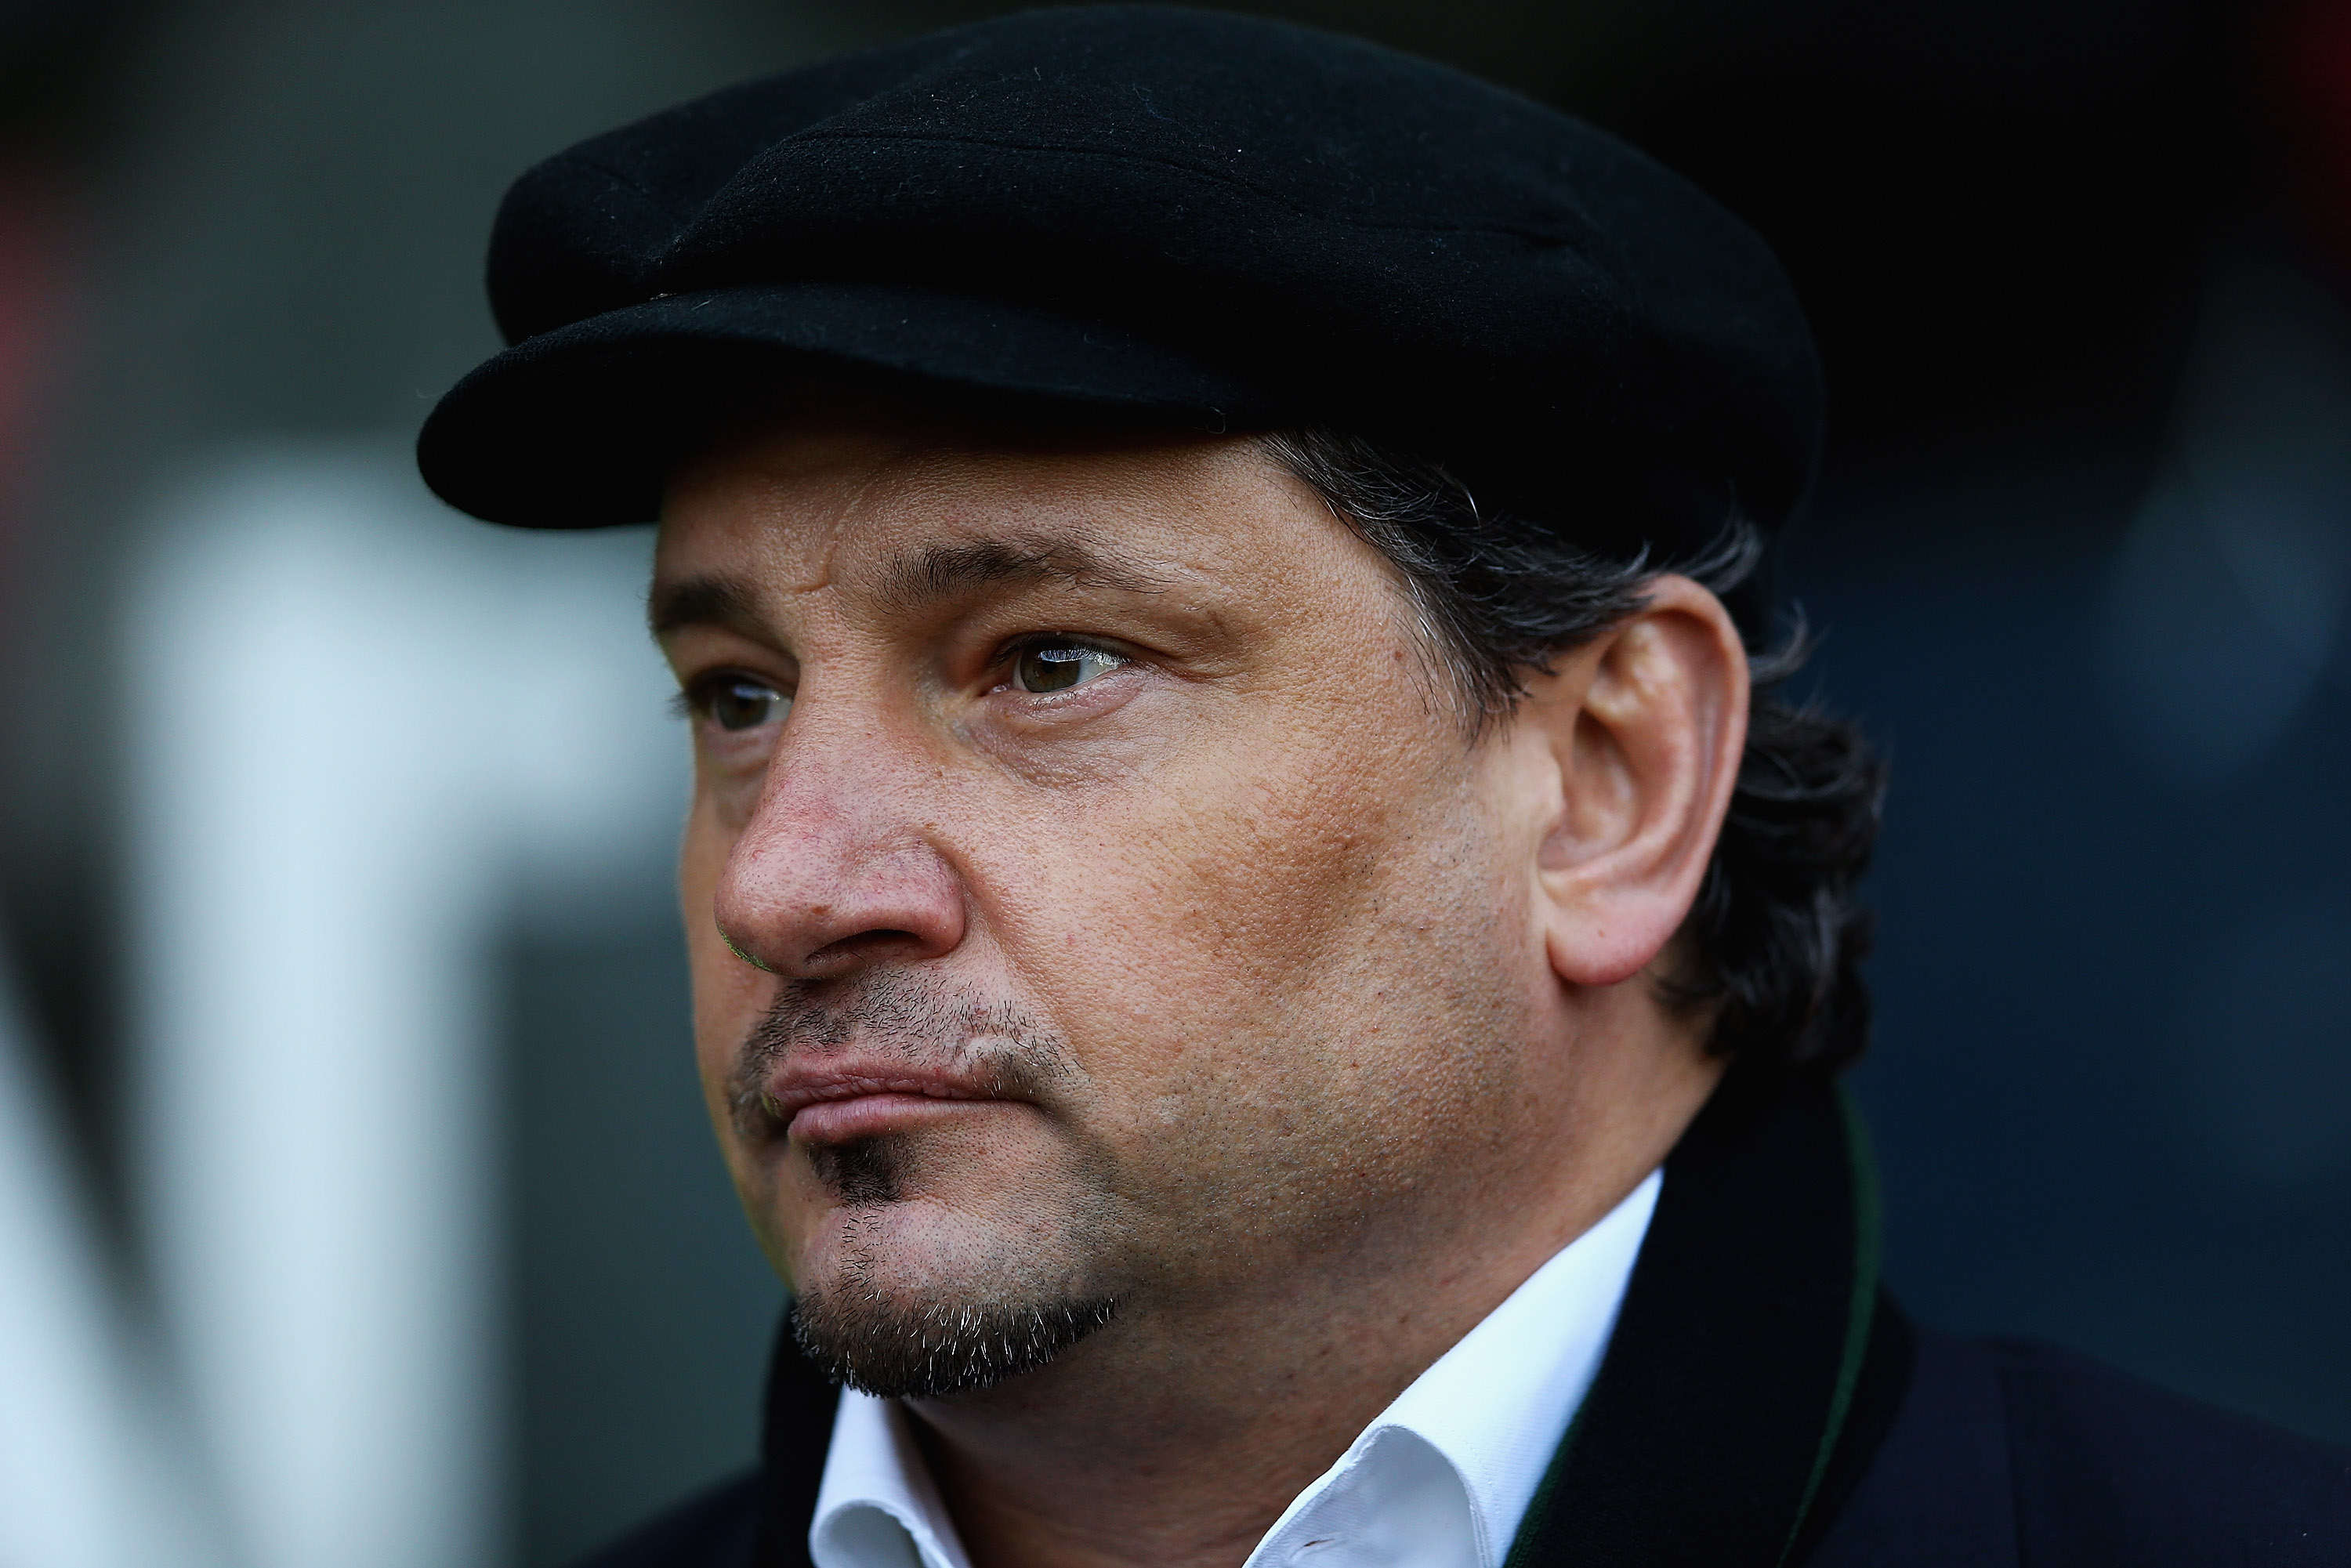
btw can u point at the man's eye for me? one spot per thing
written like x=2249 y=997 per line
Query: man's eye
x=1043 y=667
x=737 y=702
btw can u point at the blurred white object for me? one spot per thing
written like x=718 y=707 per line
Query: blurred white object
x=360 y=724
x=87 y=1476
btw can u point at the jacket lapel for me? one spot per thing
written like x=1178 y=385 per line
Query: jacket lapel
x=1754 y=1364
x=795 y=1429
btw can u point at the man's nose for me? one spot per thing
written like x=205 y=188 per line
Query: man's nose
x=839 y=868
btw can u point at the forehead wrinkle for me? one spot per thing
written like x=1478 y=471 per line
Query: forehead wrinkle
x=827 y=521
x=938 y=572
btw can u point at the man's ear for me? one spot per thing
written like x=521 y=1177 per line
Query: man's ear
x=1631 y=746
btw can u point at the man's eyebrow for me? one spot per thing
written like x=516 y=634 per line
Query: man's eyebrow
x=947 y=571
x=727 y=602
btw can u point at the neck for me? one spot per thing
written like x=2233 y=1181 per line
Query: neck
x=1177 y=1436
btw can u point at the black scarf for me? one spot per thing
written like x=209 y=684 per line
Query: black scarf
x=1754 y=1367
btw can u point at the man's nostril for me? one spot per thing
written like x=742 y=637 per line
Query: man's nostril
x=864 y=947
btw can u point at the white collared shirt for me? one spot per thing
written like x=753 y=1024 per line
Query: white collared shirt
x=1441 y=1480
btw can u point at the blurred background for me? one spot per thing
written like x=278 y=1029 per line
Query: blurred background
x=355 y=1206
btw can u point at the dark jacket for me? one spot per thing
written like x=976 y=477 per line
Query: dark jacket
x=1764 y=1402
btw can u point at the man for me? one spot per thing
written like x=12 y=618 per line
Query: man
x=1260 y=966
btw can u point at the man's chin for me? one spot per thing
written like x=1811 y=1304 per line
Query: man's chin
x=924 y=1270
x=928 y=1347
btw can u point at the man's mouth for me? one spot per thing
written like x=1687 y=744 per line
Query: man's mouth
x=843 y=1102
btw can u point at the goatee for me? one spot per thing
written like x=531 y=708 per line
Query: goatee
x=929 y=1349
x=973 y=1333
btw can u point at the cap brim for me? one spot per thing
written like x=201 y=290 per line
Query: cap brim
x=580 y=427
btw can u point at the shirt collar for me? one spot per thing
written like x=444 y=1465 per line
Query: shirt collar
x=878 y=1506
x=1443 y=1476
x=1492 y=1408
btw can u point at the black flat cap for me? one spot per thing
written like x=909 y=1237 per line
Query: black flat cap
x=1153 y=215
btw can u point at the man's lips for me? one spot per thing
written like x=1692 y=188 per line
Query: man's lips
x=841 y=1104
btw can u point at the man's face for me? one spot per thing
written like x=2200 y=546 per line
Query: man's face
x=1097 y=913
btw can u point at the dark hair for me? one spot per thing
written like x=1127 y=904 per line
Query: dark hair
x=1775 y=939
